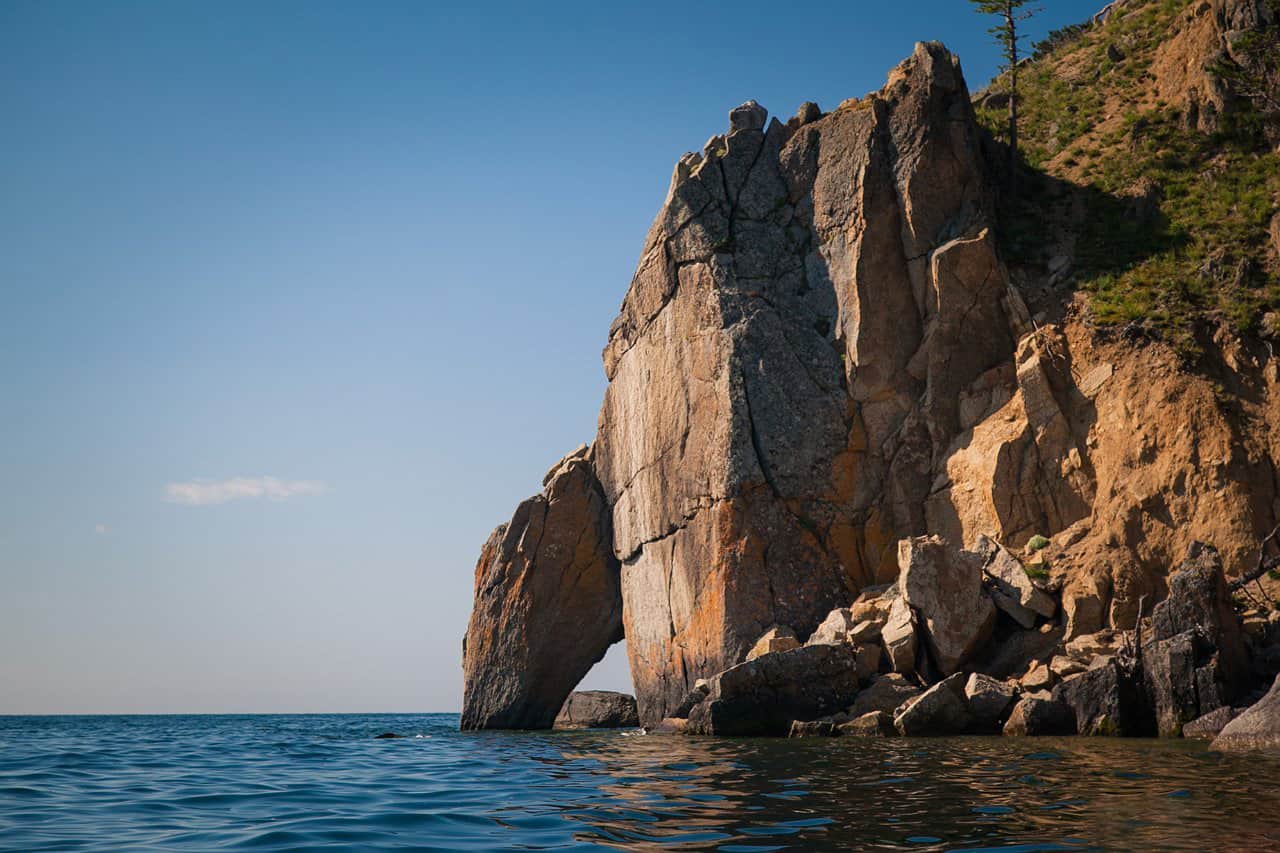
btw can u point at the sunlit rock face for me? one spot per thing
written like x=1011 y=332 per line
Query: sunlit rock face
x=547 y=603
x=786 y=369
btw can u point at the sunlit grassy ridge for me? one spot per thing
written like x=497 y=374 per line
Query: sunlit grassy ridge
x=1094 y=138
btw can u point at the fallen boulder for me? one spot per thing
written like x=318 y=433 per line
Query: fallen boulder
x=944 y=585
x=597 y=709
x=989 y=701
x=886 y=693
x=834 y=629
x=1034 y=717
x=940 y=710
x=1257 y=728
x=766 y=695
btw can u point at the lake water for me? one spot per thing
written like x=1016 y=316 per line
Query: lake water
x=282 y=782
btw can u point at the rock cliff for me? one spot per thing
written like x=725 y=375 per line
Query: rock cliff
x=821 y=354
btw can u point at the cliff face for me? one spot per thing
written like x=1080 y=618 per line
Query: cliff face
x=786 y=368
x=820 y=354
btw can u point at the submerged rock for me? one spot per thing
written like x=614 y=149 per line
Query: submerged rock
x=598 y=709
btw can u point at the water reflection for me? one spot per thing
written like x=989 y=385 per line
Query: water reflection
x=969 y=793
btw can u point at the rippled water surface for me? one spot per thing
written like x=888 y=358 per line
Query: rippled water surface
x=280 y=782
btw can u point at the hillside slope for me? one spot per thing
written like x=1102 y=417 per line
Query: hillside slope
x=1150 y=159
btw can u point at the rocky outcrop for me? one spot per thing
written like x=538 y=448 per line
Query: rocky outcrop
x=786 y=367
x=548 y=603
x=597 y=709
x=820 y=355
x=1107 y=700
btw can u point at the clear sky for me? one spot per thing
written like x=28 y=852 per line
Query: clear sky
x=298 y=300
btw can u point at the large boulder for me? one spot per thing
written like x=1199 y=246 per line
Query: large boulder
x=548 y=603
x=944 y=585
x=1211 y=724
x=1257 y=728
x=787 y=364
x=1107 y=700
x=943 y=709
x=886 y=693
x=766 y=695
x=597 y=709
x=989 y=701
x=1035 y=717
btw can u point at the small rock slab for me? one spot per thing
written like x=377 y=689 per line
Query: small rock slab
x=1011 y=587
x=871 y=724
x=779 y=638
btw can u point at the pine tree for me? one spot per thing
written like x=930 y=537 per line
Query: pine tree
x=1010 y=13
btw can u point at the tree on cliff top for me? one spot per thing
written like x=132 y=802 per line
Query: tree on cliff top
x=1010 y=13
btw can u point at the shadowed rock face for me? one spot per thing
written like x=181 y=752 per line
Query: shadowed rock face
x=547 y=604
x=786 y=368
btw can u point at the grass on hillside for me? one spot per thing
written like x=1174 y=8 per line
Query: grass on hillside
x=1091 y=134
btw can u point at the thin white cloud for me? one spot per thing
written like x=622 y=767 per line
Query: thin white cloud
x=210 y=492
x=100 y=529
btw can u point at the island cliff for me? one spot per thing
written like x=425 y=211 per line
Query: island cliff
x=823 y=353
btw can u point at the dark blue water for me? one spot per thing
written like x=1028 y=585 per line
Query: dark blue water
x=285 y=782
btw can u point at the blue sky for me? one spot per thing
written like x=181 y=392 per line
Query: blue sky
x=298 y=300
